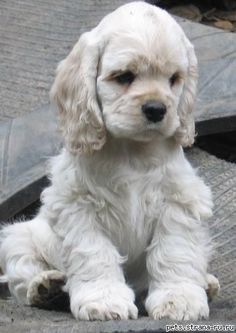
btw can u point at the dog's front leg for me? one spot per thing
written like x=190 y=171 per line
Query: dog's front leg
x=177 y=267
x=96 y=283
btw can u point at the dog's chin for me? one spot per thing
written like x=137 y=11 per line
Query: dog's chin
x=146 y=136
x=141 y=135
x=141 y=130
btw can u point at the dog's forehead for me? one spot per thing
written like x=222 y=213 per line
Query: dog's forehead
x=138 y=17
x=138 y=31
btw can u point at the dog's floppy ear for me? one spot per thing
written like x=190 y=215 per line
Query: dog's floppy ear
x=185 y=134
x=74 y=92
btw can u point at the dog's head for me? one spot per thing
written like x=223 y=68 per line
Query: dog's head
x=133 y=76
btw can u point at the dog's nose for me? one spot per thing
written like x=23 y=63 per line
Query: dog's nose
x=154 y=111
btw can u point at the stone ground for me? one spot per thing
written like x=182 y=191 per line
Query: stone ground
x=22 y=319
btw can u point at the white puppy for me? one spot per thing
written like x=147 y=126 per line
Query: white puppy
x=124 y=205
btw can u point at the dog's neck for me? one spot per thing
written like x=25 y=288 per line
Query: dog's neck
x=138 y=155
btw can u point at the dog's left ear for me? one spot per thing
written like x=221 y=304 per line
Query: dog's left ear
x=185 y=134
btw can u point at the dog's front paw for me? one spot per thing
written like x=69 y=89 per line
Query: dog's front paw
x=106 y=303
x=45 y=286
x=106 y=310
x=180 y=302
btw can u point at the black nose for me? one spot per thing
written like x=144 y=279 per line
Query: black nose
x=154 y=111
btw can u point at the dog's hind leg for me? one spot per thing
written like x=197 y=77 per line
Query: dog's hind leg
x=213 y=288
x=24 y=264
x=46 y=290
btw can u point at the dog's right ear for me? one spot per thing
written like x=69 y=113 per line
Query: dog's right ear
x=74 y=92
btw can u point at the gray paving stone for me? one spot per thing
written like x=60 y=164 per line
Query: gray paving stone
x=15 y=318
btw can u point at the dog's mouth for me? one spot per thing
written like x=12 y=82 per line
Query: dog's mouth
x=135 y=124
x=145 y=133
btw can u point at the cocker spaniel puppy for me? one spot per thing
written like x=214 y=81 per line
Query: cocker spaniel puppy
x=125 y=210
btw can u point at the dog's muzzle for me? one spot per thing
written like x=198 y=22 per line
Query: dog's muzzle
x=154 y=111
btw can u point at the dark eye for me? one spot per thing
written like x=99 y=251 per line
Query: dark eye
x=125 y=78
x=174 y=79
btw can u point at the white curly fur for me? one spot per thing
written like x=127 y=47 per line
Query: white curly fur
x=125 y=210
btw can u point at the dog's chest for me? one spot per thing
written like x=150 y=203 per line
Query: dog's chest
x=131 y=211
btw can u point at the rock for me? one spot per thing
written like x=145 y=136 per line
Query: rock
x=226 y=15
x=190 y=12
x=222 y=24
